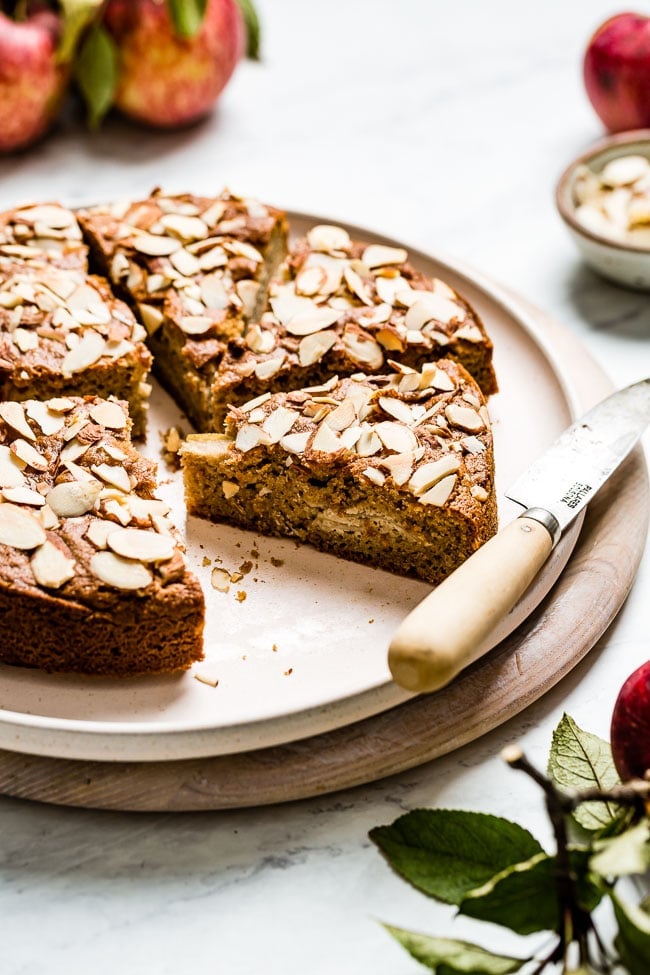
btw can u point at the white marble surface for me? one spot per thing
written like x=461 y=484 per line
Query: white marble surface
x=446 y=125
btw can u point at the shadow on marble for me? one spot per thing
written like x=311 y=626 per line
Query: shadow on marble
x=606 y=307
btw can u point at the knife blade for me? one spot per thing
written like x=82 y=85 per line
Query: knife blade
x=450 y=628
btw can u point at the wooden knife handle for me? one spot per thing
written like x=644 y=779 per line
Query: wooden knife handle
x=448 y=629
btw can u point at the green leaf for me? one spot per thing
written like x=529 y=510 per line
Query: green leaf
x=445 y=956
x=187 y=16
x=524 y=897
x=96 y=73
x=623 y=855
x=445 y=853
x=253 y=29
x=633 y=939
x=77 y=15
x=580 y=760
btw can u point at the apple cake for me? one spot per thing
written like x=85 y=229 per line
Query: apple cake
x=394 y=470
x=63 y=332
x=195 y=269
x=92 y=577
x=339 y=306
x=43 y=233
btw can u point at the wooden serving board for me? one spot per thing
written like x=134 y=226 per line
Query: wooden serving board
x=552 y=640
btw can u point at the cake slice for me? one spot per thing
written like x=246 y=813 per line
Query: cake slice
x=92 y=577
x=339 y=306
x=396 y=471
x=42 y=233
x=194 y=269
x=62 y=332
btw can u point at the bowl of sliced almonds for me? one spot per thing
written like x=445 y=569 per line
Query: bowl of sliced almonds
x=604 y=199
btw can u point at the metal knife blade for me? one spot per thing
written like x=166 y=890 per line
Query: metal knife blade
x=452 y=626
x=568 y=474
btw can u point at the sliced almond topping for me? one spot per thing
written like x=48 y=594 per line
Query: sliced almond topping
x=326 y=440
x=441 y=492
x=295 y=443
x=625 y=170
x=397 y=408
x=230 y=489
x=356 y=285
x=213 y=292
x=433 y=377
x=155 y=246
x=14 y=415
x=184 y=262
x=313 y=347
x=249 y=436
x=258 y=340
x=433 y=307
x=479 y=492
x=211 y=259
x=109 y=415
x=61 y=404
x=220 y=580
x=395 y=436
x=269 y=368
x=469 y=333
x=195 y=324
x=464 y=417
x=473 y=445
x=325 y=237
x=26 y=340
x=312 y=320
x=152 y=317
x=375 y=476
x=19 y=528
x=112 y=474
x=363 y=350
x=248 y=291
x=241 y=249
x=29 y=455
x=377 y=255
x=442 y=288
x=91 y=348
x=183 y=227
x=140 y=544
x=278 y=423
x=310 y=280
x=342 y=416
x=54 y=216
x=399 y=466
x=98 y=532
x=71 y=499
x=11 y=474
x=24 y=495
x=369 y=443
x=119 y=572
x=429 y=474
x=51 y=567
x=252 y=404
x=47 y=518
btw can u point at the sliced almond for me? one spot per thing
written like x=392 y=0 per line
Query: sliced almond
x=378 y=255
x=248 y=291
x=14 y=415
x=19 y=528
x=397 y=408
x=156 y=246
x=29 y=455
x=269 y=368
x=71 y=499
x=399 y=466
x=26 y=340
x=195 y=324
x=213 y=292
x=375 y=476
x=310 y=280
x=395 y=436
x=326 y=440
x=184 y=262
x=464 y=417
x=363 y=350
x=312 y=320
x=51 y=567
x=119 y=572
x=89 y=350
x=441 y=492
x=325 y=237
x=625 y=170
x=152 y=317
x=279 y=423
x=184 y=227
x=249 y=436
x=142 y=545
x=24 y=495
x=369 y=443
x=429 y=474
x=220 y=579
x=252 y=404
x=112 y=474
x=98 y=532
x=343 y=416
x=356 y=285
x=60 y=404
x=433 y=307
x=295 y=443
x=313 y=347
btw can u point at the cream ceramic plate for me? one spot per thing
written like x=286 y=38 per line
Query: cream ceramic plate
x=305 y=650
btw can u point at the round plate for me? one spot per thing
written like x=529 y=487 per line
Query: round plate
x=298 y=643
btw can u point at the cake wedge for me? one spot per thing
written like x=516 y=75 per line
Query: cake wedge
x=396 y=471
x=93 y=578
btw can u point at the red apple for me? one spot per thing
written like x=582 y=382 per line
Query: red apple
x=617 y=72
x=630 y=733
x=166 y=80
x=32 y=84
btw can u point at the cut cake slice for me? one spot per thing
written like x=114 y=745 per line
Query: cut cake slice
x=92 y=577
x=194 y=268
x=338 y=306
x=42 y=233
x=396 y=471
x=63 y=332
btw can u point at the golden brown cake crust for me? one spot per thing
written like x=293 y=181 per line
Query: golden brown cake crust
x=92 y=576
x=397 y=471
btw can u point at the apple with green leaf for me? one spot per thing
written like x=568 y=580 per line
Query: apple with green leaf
x=170 y=59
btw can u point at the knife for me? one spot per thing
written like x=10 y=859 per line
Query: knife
x=449 y=629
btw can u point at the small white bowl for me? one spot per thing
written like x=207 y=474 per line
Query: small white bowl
x=626 y=263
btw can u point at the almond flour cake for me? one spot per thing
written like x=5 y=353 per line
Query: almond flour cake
x=92 y=577
x=339 y=306
x=393 y=470
x=194 y=268
x=63 y=332
x=42 y=233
